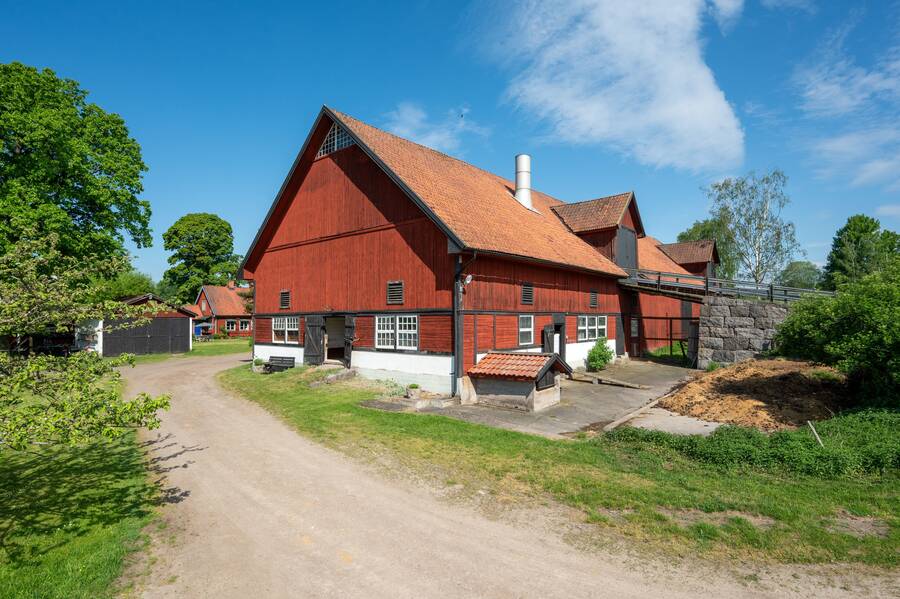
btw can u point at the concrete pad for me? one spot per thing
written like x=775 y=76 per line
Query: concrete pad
x=581 y=404
x=660 y=419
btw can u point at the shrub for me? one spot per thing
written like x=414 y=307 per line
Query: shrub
x=857 y=331
x=862 y=442
x=599 y=356
x=713 y=366
x=258 y=362
x=412 y=386
x=221 y=335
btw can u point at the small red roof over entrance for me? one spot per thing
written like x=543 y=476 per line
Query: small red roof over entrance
x=517 y=366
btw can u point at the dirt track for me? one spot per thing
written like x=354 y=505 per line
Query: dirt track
x=258 y=511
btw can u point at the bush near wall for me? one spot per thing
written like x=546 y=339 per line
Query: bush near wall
x=599 y=356
x=857 y=331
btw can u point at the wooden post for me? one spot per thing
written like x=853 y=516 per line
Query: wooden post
x=671 y=353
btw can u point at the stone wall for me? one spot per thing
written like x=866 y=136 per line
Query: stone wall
x=732 y=330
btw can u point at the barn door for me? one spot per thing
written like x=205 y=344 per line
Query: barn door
x=314 y=341
x=547 y=339
x=349 y=334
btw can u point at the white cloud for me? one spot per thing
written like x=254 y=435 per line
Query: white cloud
x=726 y=12
x=861 y=105
x=410 y=120
x=628 y=75
x=892 y=210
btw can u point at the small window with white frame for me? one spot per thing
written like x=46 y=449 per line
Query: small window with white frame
x=245 y=325
x=292 y=329
x=278 y=331
x=591 y=328
x=230 y=325
x=526 y=329
x=397 y=332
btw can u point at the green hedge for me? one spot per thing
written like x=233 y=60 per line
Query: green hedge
x=863 y=442
x=857 y=331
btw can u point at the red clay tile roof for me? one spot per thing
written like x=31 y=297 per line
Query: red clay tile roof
x=513 y=365
x=193 y=308
x=225 y=301
x=592 y=215
x=479 y=207
x=651 y=257
x=690 y=252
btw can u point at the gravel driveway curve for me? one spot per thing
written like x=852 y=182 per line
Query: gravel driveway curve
x=258 y=511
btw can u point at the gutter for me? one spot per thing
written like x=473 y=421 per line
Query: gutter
x=457 y=322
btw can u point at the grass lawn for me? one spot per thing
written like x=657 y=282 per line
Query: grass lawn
x=213 y=347
x=68 y=518
x=674 y=354
x=641 y=490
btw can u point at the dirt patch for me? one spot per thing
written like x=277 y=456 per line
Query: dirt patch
x=766 y=394
x=859 y=526
x=689 y=517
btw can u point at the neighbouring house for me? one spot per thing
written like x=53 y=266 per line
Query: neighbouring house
x=222 y=309
x=412 y=265
x=167 y=332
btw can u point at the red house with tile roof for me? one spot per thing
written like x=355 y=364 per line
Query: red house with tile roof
x=224 y=309
x=410 y=264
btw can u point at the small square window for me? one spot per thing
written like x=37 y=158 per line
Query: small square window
x=245 y=325
x=284 y=300
x=278 y=333
x=526 y=329
x=230 y=325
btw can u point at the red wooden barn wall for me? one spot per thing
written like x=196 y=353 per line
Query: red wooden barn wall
x=604 y=241
x=347 y=231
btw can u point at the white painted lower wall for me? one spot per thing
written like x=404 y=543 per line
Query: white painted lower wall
x=264 y=352
x=432 y=373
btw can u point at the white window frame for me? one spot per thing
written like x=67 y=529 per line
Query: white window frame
x=529 y=329
x=203 y=305
x=230 y=325
x=591 y=327
x=244 y=325
x=278 y=324
x=291 y=323
x=397 y=331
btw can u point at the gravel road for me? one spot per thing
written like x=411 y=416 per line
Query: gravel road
x=256 y=510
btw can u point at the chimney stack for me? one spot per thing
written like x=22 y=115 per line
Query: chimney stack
x=523 y=180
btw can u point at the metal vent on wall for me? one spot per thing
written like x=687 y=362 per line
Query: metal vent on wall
x=337 y=139
x=593 y=300
x=284 y=300
x=527 y=294
x=395 y=292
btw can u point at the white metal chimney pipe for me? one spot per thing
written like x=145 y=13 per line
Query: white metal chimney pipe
x=523 y=180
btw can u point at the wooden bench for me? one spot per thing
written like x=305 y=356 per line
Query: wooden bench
x=279 y=363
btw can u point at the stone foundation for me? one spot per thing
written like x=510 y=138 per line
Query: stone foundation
x=732 y=330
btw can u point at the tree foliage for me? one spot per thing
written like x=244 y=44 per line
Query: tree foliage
x=802 y=274
x=128 y=283
x=716 y=229
x=202 y=247
x=857 y=330
x=859 y=248
x=47 y=399
x=750 y=207
x=67 y=167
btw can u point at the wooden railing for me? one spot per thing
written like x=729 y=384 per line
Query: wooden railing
x=702 y=285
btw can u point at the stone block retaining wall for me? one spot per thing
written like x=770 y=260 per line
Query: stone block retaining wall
x=732 y=330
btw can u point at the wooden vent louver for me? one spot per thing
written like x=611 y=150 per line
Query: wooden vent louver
x=528 y=294
x=593 y=300
x=395 y=292
x=284 y=300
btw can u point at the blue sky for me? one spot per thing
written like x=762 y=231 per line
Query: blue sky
x=661 y=97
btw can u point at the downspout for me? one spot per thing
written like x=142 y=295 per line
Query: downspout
x=458 y=322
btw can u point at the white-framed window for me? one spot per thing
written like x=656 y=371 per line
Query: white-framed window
x=230 y=325
x=203 y=305
x=397 y=332
x=292 y=328
x=526 y=329
x=245 y=325
x=591 y=327
x=285 y=329
x=336 y=139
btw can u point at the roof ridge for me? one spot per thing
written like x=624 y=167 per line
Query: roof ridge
x=610 y=196
x=432 y=150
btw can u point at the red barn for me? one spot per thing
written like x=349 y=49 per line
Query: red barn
x=224 y=309
x=412 y=265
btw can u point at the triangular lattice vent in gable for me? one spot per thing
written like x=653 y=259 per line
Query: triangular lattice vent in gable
x=337 y=139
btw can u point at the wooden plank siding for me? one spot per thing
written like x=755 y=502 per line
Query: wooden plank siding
x=262 y=330
x=346 y=232
x=603 y=241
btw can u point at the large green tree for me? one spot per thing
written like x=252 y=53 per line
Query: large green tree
x=127 y=283
x=202 y=247
x=859 y=248
x=750 y=207
x=716 y=229
x=67 y=167
x=801 y=274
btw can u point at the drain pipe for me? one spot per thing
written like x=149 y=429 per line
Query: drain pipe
x=458 y=323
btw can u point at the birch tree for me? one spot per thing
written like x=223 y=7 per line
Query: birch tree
x=752 y=206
